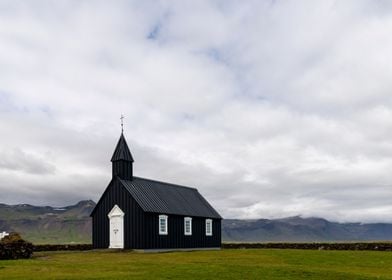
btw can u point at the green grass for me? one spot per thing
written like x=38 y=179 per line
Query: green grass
x=224 y=264
x=69 y=235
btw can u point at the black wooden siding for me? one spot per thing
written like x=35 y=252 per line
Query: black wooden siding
x=133 y=218
x=122 y=169
x=176 y=237
x=141 y=228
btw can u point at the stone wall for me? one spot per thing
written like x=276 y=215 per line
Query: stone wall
x=360 y=246
x=64 y=247
x=16 y=250
x=371 y=246
x=12 y=246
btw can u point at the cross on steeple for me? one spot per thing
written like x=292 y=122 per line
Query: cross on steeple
x=122 y=123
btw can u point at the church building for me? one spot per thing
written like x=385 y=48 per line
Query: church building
x=140 y=213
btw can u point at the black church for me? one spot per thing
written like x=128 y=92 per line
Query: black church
x=139 y=213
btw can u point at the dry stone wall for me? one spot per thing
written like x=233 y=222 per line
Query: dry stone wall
x=362 y=246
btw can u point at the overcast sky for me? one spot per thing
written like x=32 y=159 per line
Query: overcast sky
x=270 y=108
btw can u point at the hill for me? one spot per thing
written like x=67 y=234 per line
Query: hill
x=72 y=224
x=297 y=229
x=50 y=225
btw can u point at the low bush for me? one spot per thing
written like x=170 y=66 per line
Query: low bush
x=14 y=247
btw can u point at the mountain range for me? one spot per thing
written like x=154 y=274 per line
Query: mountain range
x=297 y=229
x=72 y=224
x=49 y=225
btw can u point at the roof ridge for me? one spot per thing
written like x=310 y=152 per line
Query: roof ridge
x=166 y=183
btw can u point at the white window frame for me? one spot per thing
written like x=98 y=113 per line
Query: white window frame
x=165 y=230
x=188 y=219
x=209 y=222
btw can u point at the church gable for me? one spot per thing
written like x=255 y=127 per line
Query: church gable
x=116 y=194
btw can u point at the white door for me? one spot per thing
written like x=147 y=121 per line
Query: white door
x=116 y=228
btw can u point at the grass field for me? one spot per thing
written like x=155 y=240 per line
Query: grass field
x=224 y=264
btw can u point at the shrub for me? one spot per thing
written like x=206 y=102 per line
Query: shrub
x=12 y=237
x=14 y=247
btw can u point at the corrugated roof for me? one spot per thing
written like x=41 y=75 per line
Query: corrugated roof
x=122 y=151
x=159 y=197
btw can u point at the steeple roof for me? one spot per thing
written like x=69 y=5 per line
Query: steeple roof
x=122 y=151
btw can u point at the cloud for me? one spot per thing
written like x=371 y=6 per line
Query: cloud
x=270 y=108
x=18 y=160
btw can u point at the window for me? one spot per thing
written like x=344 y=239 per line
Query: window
x=209 y=227
x=187 y=226
x=162 y=225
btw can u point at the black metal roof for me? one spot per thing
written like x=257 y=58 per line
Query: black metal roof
x=165 y=198
x=122 y=151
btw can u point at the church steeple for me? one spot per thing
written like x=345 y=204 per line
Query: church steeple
x=122 y=160
x=122 y=151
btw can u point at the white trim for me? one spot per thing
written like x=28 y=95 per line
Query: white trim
x=208 y=227
x=116 y=211
x=116 y=228
x=186 y=220
x=163 y=231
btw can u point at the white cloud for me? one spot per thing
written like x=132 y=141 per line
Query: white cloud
x=270 y=108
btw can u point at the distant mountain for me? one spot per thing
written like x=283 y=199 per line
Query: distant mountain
x=72 y=224
x=297 y=229
x=49 y=225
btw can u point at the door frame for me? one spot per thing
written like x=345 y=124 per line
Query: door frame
x=117 y=213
